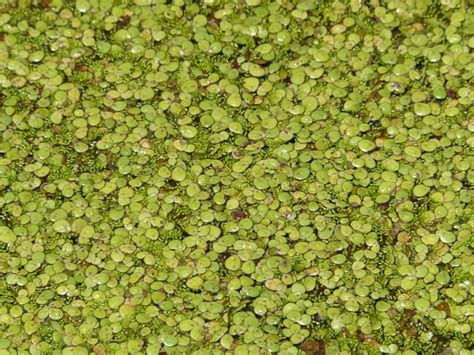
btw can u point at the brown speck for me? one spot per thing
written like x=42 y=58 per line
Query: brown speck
x=319 y=290
x=213 y=22
x=374 y=95
x=123 y=21
x=247 y=55
x=410 y=331
x=349 y=251
x=81 y=67
x=367 y=338
x=45 y=4
x=452 y=94
x=235 y=64
x=238 y=215
x=261 y=62
x=314 y=347
x=444 y=306
x=360 y=336
x=409 y=313
x=2 y=37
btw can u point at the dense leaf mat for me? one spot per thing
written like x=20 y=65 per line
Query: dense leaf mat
x=238 y=177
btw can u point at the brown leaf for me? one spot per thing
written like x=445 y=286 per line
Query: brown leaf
x=314 y=347
x=235 y=64
x=452 y=94
x=99 y=349
x=123 y=21
x=213 y=22
x=81 y=67
x=444 y=306
x=238 y=215
x=411 y=332
x=261 y=62
x=372 y=341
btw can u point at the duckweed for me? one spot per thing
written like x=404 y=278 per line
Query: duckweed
x=236 y=177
